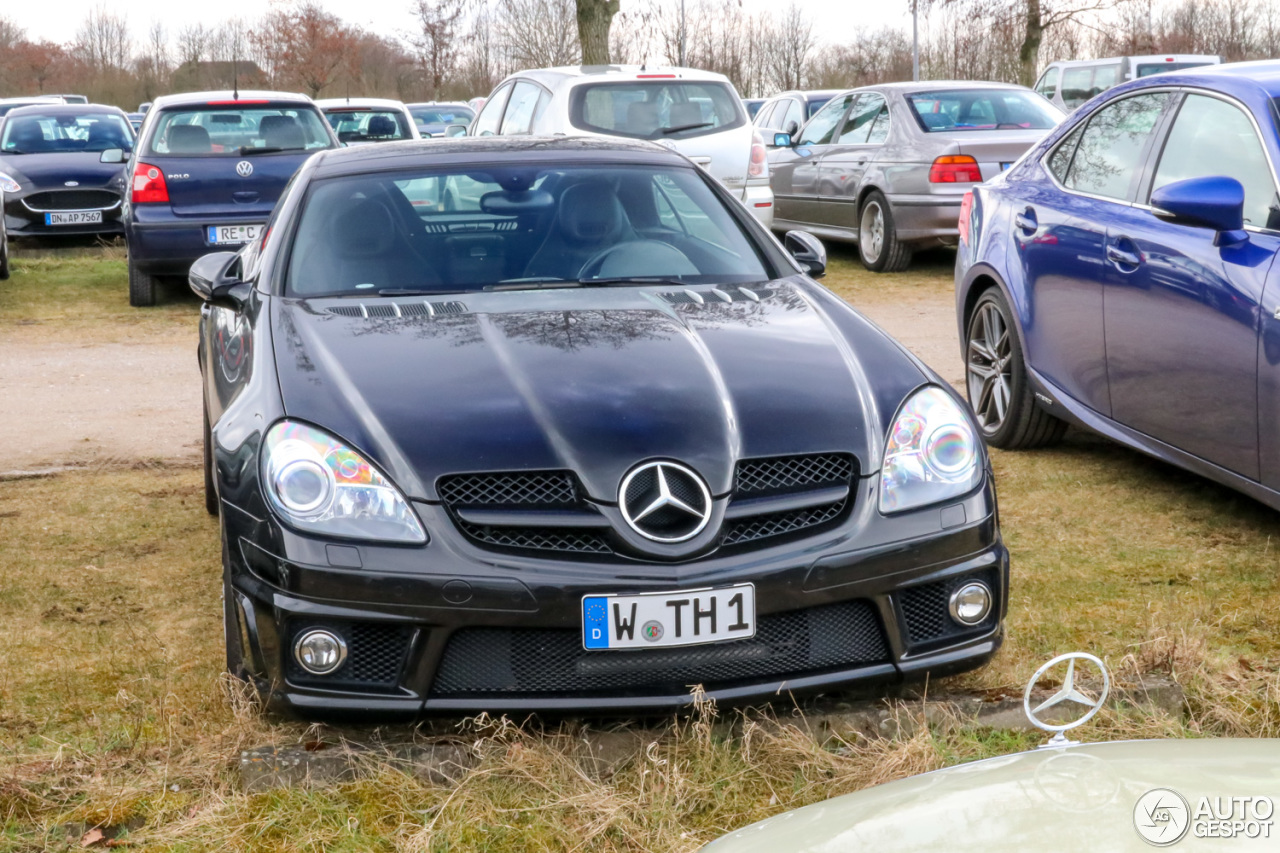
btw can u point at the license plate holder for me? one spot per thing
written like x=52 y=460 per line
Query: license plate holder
x=654 y=620
x=232 y=235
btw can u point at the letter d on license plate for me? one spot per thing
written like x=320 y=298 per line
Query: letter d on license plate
x=662 y=619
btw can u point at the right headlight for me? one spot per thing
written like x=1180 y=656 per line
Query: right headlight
x=932 y=453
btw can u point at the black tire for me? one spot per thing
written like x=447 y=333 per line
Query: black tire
x=878 y=244
x=4 y=261
x=211 y=503
x=142 y=287
x=996 y=379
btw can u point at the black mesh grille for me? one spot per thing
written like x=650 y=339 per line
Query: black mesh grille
x=787 y=473
x=511 y=488
x=779 y=523
x=924 y=608
x=375 y=655
x=72 y=200
x=552 y=661
x=573 y=540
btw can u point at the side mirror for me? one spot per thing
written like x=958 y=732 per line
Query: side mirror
x=808 y=252
x=455 y=130
x=215 y=278
x=1213 y=202
x=112 y=155
x=782 y=140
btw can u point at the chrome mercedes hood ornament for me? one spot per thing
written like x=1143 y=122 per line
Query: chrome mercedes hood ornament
x=1070 y=692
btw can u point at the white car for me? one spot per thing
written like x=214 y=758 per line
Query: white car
x=358 y=121
x=696 y=113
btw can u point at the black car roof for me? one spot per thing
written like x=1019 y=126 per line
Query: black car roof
x=491 y=149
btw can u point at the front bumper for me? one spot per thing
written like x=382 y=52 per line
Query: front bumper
x=450 y=628
x=24 y=213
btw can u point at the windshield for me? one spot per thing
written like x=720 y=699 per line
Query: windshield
x=983 y=109
x=442 y=115
x=1147 y=69
x=215 y=130
x=515 y=227
x=65 y=132
x=656 y=109
x=357 y=125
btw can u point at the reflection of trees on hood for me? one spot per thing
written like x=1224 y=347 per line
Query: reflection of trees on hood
x=462 y=329
x=296 y=345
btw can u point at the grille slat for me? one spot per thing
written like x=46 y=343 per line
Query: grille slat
x=785 y=473
x=548 y=662
x=571 y=540
x=779 y=523
x=510 y=488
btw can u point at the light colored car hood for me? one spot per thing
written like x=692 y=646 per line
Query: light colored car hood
x=1075 y=798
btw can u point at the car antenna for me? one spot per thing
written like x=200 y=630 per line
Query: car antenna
x=235 y=72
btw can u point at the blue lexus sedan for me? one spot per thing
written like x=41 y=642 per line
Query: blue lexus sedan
x=1122 y=277
x=206 y=174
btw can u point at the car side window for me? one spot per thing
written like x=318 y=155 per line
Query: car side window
x=794 y=115
x=1059 y=162
x=857 y=127
x=1211 y=137
x=822 y=127
x=1048 y=83
x=764 y=117
x=1110 y=149
x=1076 y=83
x=518 y=118
x=490 y=118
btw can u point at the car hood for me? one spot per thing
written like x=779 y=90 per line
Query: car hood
x=45 y=171
x=1077 y=798
x=591 y=380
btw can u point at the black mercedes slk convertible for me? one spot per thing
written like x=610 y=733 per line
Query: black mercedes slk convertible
x=553 y=424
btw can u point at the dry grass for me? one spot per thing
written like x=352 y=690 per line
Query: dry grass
x=113 y=711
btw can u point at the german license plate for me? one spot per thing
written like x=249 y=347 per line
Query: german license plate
x=662 y=619
x=221 y=235
x=73 y=217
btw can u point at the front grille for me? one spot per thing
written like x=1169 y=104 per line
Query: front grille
x=787 y=473
x=72 y=200
x=511 y=488
x=569 y=540
x=375 y=655
x=779 y=523
x=529 y=661
x=925 y=608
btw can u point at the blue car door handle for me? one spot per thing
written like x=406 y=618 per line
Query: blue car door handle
x=1122 y=258
x=1026 y=221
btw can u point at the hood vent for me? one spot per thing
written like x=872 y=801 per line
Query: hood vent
x=713 y=296
x=398 y=309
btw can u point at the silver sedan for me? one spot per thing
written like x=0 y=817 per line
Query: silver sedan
x=886 y=166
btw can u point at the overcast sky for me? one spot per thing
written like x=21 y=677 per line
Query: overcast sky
x=57 y=20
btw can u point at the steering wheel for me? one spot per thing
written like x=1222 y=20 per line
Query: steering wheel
x=660 y=259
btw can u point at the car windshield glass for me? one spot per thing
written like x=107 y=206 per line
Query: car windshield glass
x=65 y=133
x=514 y=227
x=358 y=125
x=442 y=115
x=982 y=109
x=226 y=131
x=1146 y=69
x=656 y=109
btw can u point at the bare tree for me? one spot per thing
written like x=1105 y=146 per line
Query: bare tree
x=102 y=41
x=539 y=33
x=789 y=43
x=439 y=22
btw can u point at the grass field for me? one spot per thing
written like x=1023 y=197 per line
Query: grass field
x=114 y=714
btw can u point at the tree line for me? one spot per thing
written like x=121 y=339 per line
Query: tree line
x=462 y=48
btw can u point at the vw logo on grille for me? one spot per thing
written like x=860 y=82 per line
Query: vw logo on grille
x=665 y=502
x=244 y=168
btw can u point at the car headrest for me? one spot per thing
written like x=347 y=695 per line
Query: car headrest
x=684 y=114
x=26 y=136
x=381 y=126
x=642 y=117
x=281 y=132
x=189 y=139
x=104 y=133
x=936 y=120
x=365 y=229
x=590 y=214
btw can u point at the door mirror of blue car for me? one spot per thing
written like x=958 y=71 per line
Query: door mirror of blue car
x=782 y=140
x=1214 y=202
x=215 y=278
x=808 y=252
x=112 y=155
x=456 y=130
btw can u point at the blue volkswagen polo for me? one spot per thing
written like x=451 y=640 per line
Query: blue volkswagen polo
x=1122 y=277
x=206 y=174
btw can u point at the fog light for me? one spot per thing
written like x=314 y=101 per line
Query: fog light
x=971 y=603
x=320 y=652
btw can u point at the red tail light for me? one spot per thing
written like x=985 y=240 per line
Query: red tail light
x=759 y=157
x=954 y=169
x=148 y=185
x=966 y=210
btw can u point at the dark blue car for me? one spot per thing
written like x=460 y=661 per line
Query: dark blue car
x=1122 y=277
x=207 y=171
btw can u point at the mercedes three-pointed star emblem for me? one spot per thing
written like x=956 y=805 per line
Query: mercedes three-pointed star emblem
x=1068 y=692
x=665 y=502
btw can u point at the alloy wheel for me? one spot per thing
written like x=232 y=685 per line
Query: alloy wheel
x=871 y=232
x=989 y=366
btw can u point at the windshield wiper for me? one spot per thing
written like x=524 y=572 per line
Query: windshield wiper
x=408 y=291
x=246 y=150
x=667 y=131
x=631 y=279
x=532 y=283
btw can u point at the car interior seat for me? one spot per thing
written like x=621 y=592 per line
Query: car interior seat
x=27 y=137
x=281 y=132
x=682 y=115
x=642 y=117
x=189 y=139
x=381 y=126
x=589 y=219
x=104 y=135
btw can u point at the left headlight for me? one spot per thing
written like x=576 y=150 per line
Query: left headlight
x=932 y=453
x=8 y=184
x=319 y=485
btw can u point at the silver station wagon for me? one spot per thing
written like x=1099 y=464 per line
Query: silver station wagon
x=887 y=166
